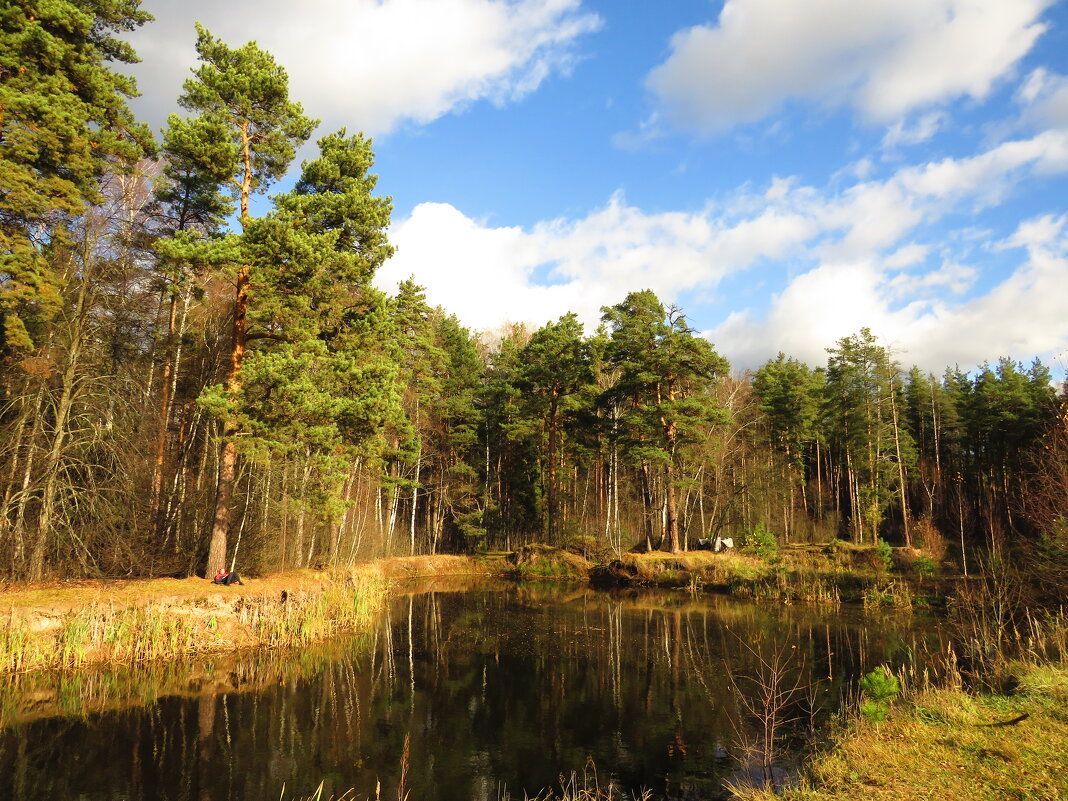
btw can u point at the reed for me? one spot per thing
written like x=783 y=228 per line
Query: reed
x=1045 y=636
x=17 y=647
x=107 y=633
x=300 y=618
x=891 y=595
x=572 y=788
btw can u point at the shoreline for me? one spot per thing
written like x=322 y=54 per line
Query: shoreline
x=83 y=624
x=954 y=738
x=68 y=625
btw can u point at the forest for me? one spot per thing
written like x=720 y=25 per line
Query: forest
x=191 y=377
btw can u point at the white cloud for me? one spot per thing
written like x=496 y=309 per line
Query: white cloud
x=906 y=256
x=901 y=134
x=1044 y=96
x=852 y=256
x=488 y=276
x=374 y=64
x=957 y=278
x=479 y=273
x=885 y=59
x=818 y=307
x=988 y=175
x=649 y=130
x=1021 y=317
x=1042 y=233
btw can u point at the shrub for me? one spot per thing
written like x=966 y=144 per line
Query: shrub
x=588 y=547
x=760 y=541
x=833 y=547
x=930 y=540
x=925 y=566
x=884 y=554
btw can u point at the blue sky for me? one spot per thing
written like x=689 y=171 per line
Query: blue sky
x=784 y=171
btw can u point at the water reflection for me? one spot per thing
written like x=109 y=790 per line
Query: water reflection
x=495 y=688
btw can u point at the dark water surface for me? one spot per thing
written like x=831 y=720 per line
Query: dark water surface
x=494 y=688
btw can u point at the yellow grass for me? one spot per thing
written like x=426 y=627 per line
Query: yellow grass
x=70 y=624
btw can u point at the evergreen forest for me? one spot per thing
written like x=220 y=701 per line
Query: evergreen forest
x=192 y=378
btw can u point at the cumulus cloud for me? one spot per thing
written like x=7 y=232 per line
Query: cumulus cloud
x=492 y=275
x=846 y=260
x=373 y=64
x=1021 y=316
x=883 y=59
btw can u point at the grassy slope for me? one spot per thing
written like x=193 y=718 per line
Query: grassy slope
x=941 y=746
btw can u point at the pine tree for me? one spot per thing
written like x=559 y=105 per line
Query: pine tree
x=241 y=96
x=864 y=394
x=665 y=372
x=508 y=445
x=190 y=210
x=64 y=122
x=455 y=516
x=319 y=376
x=422 y=363
x=554 y=368
x=789 y=393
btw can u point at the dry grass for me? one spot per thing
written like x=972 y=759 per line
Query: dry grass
x=809 y=573
x=71 y=624
x=545 y=562
x=930 y=540
x=946 y=745
x=588 y=787
x=702 y=568
x=60 y=596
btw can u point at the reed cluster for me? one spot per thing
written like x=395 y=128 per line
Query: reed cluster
x=303 y=617
x=113 y=633
x=101 y=633
x=788 y=586
x=890 y=595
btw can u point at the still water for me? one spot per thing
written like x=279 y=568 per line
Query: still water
x=460 y=694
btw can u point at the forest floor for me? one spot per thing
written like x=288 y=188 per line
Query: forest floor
x=949 y=744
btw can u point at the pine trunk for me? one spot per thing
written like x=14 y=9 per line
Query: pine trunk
x=220 y=530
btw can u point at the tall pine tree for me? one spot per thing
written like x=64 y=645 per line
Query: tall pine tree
x=243 y=95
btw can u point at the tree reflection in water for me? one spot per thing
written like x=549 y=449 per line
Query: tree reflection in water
x=495 y=687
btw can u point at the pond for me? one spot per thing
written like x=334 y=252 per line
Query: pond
x=472 y=693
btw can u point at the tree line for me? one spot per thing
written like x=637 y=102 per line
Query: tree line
x=186 y=382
